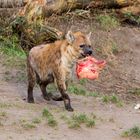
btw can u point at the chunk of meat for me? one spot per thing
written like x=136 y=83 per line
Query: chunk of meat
x=89 y=68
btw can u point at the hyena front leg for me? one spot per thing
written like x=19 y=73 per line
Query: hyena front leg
x=31 y=82
x=62 y=88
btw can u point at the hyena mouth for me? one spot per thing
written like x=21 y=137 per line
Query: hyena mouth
x=85 y=55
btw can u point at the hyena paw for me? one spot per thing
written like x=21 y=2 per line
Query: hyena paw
x=31 y=100
x=46 y=98
x=69 y=108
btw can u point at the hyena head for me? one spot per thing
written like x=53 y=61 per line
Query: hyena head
x=80 y=43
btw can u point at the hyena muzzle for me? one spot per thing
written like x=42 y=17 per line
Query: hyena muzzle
x=53 y=62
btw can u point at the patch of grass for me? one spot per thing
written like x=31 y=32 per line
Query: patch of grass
x=77 y=119
x=131 y=18
x=90 y=123
x=36 y=121
x=50 y=119
x=10 y=47
x=1 y=124
x=93 y=116
x=46 y=113
x=106 y=99
x=134 y=91
x=52 y=122
x=77 y=90
x=28 y=126
x=81 y=118
x=112 y=99
x=107 y=22
x=115 y=49
x=23 y=121
x=83 y=81
x=14 y=55
x=93 y=94
x=133 y=132
x=51 y=88
x=5 y=105
x=63 y=117
x=3 y=114
x=73 y=124
x=120 y=104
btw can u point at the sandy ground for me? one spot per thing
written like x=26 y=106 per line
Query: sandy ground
x=110 y=120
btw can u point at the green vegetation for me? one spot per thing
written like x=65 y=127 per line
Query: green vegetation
x=106 y=99
x=75 y=89
x=80 y=118
x=83 y=81
x=133 y=18
x=5 y=105
x=79 y=90
x=50 y=119
x=90 y=123
x=134 y=91
x=36 y=121
x=63 y=117
x=112 y=99
x=9 y=46
x=76 y=120
x=73 y=124
x=28 y=126
x=51 y=88
x=1 y=124
x=3 y=114
x=115 y=49
x=93 y=94
x=108 y=22
x=133 y=132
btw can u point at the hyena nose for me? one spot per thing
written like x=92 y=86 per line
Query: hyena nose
x=90 y=52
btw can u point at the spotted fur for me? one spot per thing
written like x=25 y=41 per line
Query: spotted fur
x=53 y=62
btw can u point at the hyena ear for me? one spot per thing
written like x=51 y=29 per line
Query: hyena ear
x=70 y=37
x=89 y=37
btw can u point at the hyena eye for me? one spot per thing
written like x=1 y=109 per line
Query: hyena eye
x=82 y=46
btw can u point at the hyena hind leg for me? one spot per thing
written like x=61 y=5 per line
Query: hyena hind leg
x=31 y=83
x=43 y=85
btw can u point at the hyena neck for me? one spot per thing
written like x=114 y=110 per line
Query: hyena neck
x=69 y=56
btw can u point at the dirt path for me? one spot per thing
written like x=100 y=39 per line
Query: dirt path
x=16 y=115
x=110 y=120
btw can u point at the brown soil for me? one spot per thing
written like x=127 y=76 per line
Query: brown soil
x=121 y=74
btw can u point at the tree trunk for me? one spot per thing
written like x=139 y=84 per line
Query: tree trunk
x=11 y=3
x=59 y=6
x=62 y=5
x=30 y=26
